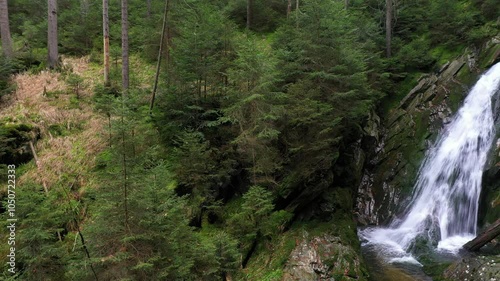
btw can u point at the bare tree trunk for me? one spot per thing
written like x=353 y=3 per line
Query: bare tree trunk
x=249 y=13
x=297 y=12
x=388 y=27
x=125 y=64
x=5 y=29
x=85 y=7
x=149 y=8
x=165 y=13
x=52 y=34
x=289 y=9
x=346 y=4
x=105 y=27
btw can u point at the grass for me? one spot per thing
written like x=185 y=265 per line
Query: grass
x=69 y=128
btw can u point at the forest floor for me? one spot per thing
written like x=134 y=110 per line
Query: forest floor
x=71 y=133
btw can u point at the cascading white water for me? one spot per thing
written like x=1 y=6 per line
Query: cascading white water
x=445 y=202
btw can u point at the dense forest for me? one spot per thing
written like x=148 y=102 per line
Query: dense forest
x=208 y=134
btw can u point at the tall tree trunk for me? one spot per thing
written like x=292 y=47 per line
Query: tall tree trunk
x=297 y=12
x=289 y=9
x=5 y=29
x=85 y=7
x=388 y=27
x=52 y=34
x=105 y=27
x=125 y=68
x=165 y=14
x=346 y=4
x=149 y=8
x=249 y=13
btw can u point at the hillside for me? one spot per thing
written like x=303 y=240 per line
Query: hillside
x=279 y=131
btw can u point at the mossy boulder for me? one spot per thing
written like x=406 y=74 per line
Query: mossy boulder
x=323 y=257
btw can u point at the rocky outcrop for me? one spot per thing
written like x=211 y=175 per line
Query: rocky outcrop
x=323 y=257
x=395 y=145
x=404 y=136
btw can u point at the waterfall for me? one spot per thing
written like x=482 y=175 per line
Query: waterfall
x=445 y=202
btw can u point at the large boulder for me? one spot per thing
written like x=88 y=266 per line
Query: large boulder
x=323 y=257
x=481 y=268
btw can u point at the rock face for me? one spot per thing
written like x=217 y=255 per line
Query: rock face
x=474 y=269
x=323 y=257
x=489 y=210
x=395 y=145
x=404 y=136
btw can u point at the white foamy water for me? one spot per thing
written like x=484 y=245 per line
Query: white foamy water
x=445 y=201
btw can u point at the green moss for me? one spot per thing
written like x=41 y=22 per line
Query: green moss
x=435 y=270
x=443 y=54
x=269 y=259
x=489 y=56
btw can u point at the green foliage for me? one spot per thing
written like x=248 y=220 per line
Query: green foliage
x=250 y=128
x=76 y=83
x=7 y=67
x=14 y=140
x=267 y=14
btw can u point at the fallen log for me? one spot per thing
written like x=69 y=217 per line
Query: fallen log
x=485 y=237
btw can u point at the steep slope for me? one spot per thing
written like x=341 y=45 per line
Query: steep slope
x=69 y=129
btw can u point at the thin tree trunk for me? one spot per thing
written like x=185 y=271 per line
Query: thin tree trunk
x=125 y=63
x=5 y=29
x=53 y=59
x=388 y=27
x=249 y=13
x=165 y=13
x=346 y=4
x=297 y=12
x=105 y=27
x=125 y=176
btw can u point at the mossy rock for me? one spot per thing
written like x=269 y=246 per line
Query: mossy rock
x=490 y=55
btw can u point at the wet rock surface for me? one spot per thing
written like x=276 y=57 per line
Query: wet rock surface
x=481 y=268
